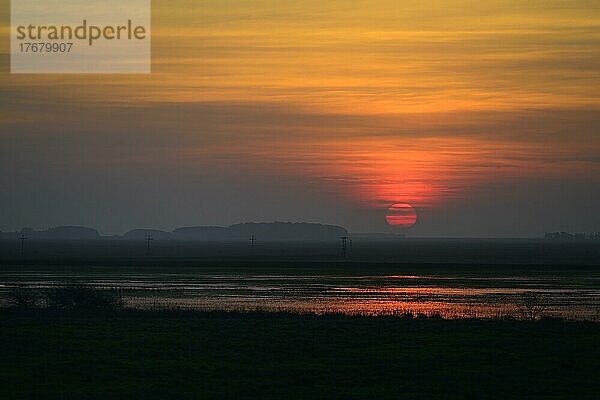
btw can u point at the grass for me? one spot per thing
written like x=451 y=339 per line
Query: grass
x=158 y=355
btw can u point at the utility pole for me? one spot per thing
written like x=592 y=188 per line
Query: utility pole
x=344 y=240
x=149 y=238
x=22 y=238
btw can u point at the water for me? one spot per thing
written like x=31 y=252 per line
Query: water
x=483 y=292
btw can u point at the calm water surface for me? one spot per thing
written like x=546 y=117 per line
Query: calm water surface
x=569 y=295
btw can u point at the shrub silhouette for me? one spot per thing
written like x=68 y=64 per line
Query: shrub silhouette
x=530 y=306
x=83 y=298
x=24 y=298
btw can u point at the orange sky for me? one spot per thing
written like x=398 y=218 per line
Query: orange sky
x=378 y=102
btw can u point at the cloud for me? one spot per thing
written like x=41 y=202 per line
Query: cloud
x=369 y=103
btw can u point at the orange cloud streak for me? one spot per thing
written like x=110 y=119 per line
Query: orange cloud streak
x=382 y=171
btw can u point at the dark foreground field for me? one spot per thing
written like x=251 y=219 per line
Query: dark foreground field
x=163 y=355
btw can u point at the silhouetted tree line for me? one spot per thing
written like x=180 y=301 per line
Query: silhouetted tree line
x=262 y=231
x=571 y=236
x=75 y=298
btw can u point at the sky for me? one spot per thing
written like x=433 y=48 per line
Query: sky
x=483 y=116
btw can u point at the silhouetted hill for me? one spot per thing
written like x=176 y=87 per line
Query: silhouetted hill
x=262 y=231
x=141 y=234
x=63 y=233
x=202 y=233
x=287 y=231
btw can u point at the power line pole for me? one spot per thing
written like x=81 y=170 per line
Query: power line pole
x=22 y=238
x=344 y=240
x=149 y=238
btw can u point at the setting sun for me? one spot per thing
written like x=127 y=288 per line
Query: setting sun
x=401 y=215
